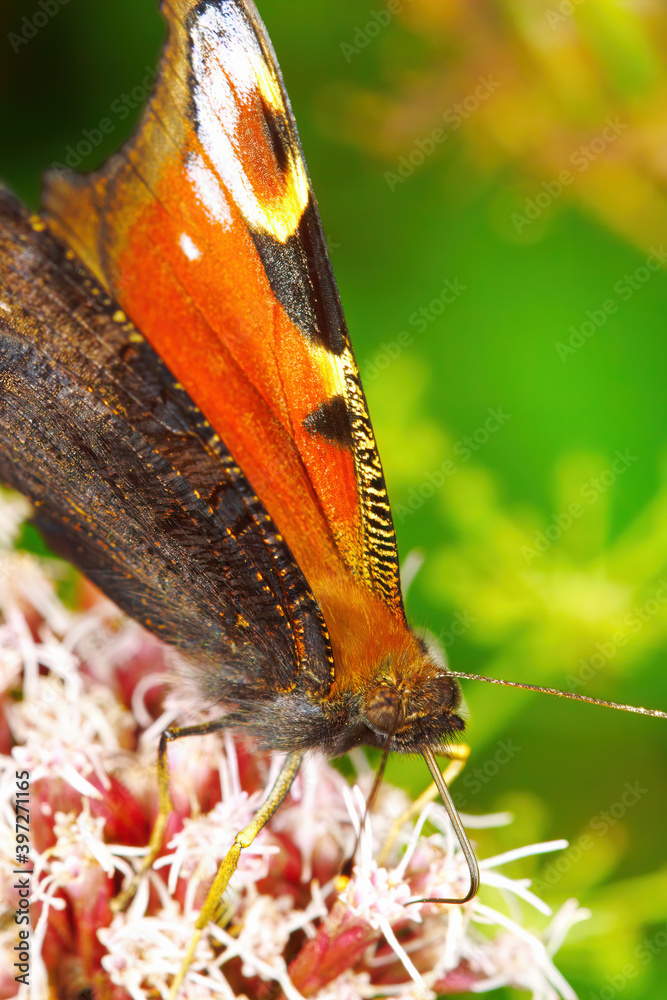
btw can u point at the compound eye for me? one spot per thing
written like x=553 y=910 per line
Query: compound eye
x=383 y=711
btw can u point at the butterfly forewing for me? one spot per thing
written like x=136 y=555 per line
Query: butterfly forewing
x=206 y=229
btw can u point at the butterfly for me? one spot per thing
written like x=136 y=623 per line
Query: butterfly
x=181 y=403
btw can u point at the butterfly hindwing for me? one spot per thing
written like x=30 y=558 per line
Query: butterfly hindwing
x=130 y=481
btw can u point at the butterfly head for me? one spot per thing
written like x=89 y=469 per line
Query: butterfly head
x=414 y=702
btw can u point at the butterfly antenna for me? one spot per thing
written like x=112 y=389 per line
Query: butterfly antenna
x=561 y=694
x=461 y=835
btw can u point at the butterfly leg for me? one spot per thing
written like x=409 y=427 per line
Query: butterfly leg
x=243 y=839
x=458 y=755
x=165 y=804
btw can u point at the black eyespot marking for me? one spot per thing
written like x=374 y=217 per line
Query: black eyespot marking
x=278 y=137
x=331 y=421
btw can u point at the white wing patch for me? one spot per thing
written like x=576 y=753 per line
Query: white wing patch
x=189 y=247
x=233 y=81
x=208 y=190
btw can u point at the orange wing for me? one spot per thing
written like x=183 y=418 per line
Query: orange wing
x=206 y=229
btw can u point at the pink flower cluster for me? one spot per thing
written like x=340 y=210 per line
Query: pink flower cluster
x=83 y=698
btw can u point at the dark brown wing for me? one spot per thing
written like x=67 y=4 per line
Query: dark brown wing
x=125 y=471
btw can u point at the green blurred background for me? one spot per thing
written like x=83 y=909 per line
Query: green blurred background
x=552 y=319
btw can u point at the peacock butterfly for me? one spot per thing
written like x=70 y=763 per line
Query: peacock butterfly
x=209 y=462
